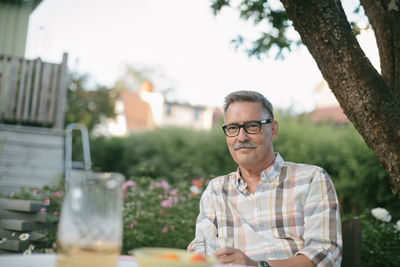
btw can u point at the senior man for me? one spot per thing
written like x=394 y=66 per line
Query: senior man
x=278 y=213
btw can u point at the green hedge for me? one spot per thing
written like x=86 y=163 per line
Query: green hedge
x=174 y=154
x=360 y=181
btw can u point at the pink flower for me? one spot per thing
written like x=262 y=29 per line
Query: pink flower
x=173 y=192
x=173 y=199
x=46 y=202
x=128 y=184
x=43 y=210
x=133 y=224
x=12 y=194
x=166 y=203
x=34 y=192
x=164 y=184
x=56 y=194
x=167 y=228
x=169 y=202
x=55 y=213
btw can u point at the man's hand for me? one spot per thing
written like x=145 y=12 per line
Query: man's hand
x=228 y=255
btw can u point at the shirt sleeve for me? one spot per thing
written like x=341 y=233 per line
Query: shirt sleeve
x=206 y=225
x=322 y=225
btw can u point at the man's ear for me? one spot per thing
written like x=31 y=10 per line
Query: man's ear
x=275 y=129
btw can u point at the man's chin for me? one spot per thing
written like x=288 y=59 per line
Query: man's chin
x=243 y=160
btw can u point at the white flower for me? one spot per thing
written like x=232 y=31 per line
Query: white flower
x=3 y=240
x=393 y=5
x=381 y=214
x=31 y=247
x=397 y=225
x=195 y=190
x=27 y=252
x=24 y=236
x=13 y=234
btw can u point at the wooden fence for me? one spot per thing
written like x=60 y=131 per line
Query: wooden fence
x=32 y=92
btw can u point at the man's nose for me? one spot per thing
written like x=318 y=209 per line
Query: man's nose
x=243 y=136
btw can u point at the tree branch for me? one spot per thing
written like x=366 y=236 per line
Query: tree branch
x=385 y=21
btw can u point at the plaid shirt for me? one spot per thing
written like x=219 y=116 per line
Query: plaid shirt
x=294 y=211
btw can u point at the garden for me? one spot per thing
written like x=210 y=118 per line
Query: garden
x=167 y=169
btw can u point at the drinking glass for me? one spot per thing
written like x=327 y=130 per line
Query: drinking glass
x=211 y=245
x=90 y=227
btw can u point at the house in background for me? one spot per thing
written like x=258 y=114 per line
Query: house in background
x=327 y=108
x=148 y=110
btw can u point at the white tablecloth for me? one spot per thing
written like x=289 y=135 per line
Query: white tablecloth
x=49 y=260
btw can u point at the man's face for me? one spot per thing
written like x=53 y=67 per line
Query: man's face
x=257 y=156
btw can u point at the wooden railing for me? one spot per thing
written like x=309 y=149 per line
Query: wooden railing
x=32 y=92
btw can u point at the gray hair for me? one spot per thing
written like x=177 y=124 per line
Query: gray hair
x=248 y=96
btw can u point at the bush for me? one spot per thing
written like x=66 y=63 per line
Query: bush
x=156 y=214
x=173 y=153
x=380 y=241
x=361 y=183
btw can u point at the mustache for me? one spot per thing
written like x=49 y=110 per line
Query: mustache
x=240 y=145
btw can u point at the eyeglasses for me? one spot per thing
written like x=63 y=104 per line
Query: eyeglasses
x=250 y=127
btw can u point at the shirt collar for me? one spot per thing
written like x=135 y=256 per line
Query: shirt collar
x=267 y=175
x=272 y=172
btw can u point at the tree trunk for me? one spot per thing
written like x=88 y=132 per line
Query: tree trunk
x=367 y=99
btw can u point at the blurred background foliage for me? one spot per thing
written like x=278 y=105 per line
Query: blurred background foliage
x=88 y=106
x=177 y=155
x=171 y=153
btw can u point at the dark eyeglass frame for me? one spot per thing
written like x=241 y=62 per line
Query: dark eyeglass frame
x=225 y=127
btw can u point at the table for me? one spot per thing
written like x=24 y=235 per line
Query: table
x=49 y=260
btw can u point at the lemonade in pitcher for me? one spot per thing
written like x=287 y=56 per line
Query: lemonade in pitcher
x=103 y=255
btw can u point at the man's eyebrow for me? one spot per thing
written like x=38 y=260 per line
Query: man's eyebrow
x=232 y=123
x=236 y=123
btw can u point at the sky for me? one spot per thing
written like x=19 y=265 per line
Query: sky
x=187 y=46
